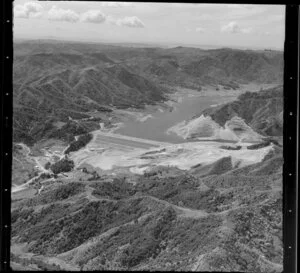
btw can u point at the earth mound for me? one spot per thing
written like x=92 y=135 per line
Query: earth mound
x=204 y=127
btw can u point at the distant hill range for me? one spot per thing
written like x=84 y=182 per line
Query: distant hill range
x=58 y=80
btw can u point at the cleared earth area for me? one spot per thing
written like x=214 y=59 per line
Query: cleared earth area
x=117 y=141
x=108 y=151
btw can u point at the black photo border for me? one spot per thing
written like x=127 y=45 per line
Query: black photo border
x=290 y=130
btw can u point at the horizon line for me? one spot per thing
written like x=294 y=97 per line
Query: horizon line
x=151 y=44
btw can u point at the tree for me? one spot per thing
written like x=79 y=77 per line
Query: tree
x=64 y=165
x=47 y=165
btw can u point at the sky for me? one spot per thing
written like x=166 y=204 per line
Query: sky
x=173 y=24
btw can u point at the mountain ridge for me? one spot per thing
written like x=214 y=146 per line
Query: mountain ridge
x=57 y=80
x=220 y=215
x=262 y=110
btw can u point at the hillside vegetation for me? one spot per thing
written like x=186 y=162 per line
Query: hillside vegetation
x=203 y=215
x=263 y=111
x=62 y=80
x=79 y=143
x=217 y=217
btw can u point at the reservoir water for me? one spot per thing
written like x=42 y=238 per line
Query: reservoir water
x=154 y=128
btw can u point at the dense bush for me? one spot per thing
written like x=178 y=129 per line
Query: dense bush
x=63 y=165
x=173 y=189
x=145 y=239
x=36 y=222
x=143 y=247
x=20 y=214
x=95 y=175
x=63 y=192
x=226 y=147
x=96 y=218
x=45 y=176
x=60 y=193
x=47 y=165
x=118 y=189
x=79 y=143
x=259 y=145
x=66 y=114
x=222 y=165
x=68 y=131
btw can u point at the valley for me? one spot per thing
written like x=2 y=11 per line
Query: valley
x=176 y=158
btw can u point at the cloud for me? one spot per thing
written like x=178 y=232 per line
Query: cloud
x=93 y=16
x=233 y=27
x=58 y=14
x=132 y=21
x=29 y=9
x=32 y=9
x=200 y=29
x=116 y=4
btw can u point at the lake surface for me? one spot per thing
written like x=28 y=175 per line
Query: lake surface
x=190 y=104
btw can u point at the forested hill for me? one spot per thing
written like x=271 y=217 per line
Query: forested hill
x=263 y=111
x=56 y=80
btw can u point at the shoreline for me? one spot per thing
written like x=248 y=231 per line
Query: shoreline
x=143 y=115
